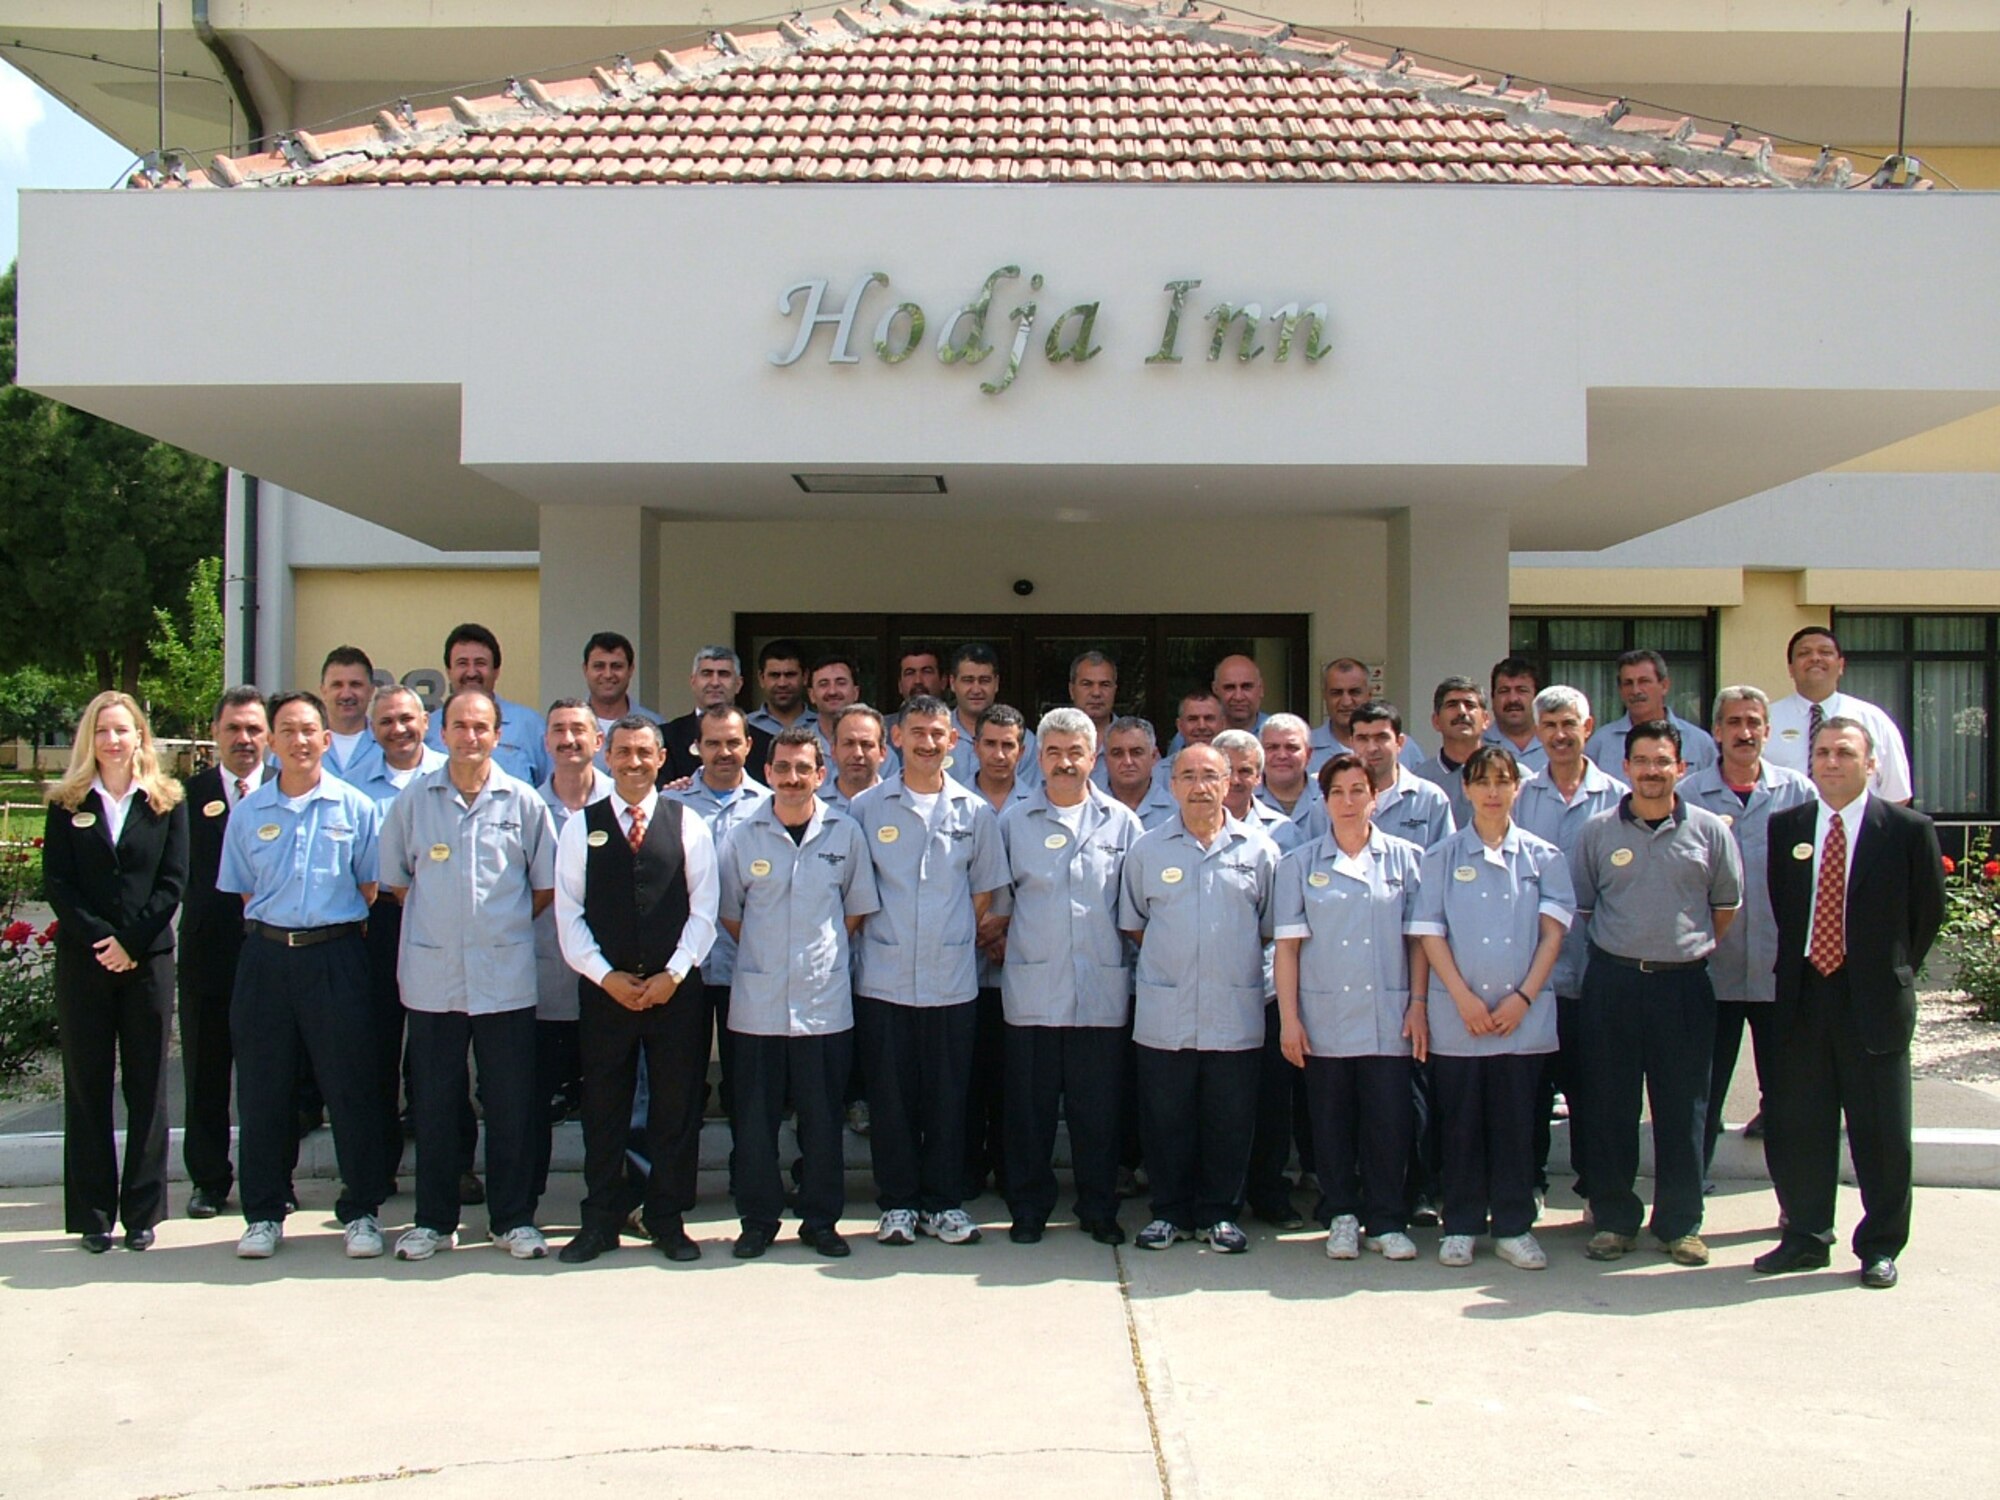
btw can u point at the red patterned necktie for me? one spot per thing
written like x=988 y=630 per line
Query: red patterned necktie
x=1829 y=929
x=637 y=836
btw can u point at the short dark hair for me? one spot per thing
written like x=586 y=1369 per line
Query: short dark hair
x=1376 y=711
x=632 y=724
x=1644 y=657
x=1455 y=685
x=1347 y=760
x=1193 y=695
x=727 y=711
x=1488 y=761
x=1799 y=635
x=925 y=706
x=1654 y=729
x=1004 y=716
x=297 y=695
x=782 y=649
x=795 y=734
x=582 y=703
x=347 y=656
x=835 y=659
x=238 y=697
x=444 y=712
x=918 y=649
x=610 y=640
x=1513 y=666
x=976 y=652
x=478 y=635
x=1091 y=658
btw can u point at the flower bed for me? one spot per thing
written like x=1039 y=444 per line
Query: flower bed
x=1971 y=934
x=27 y=995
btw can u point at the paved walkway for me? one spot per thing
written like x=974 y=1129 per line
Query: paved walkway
x=1058 y=1369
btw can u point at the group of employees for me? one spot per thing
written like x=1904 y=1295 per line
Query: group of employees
x=949 y=931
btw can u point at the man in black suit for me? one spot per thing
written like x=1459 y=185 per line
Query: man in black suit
x=715 y=679
x=1857 y=886
x=211 y=936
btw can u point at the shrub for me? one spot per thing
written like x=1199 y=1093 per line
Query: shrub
x=27 y=995
x=1971 y=933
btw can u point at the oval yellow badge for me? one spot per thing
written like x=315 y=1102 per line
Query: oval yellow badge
x=1728 y=820
x=1319 y=878
x=760 y=867
x=1055 y=840
x=1171 y=875
x=1788 y=734
x=440 y=853
x=1802 y=851
x=215 y=809
x=269 y=832
x=84 y=820
x=1621 y=857
x=888 y=833
x=598 y=838
x=1465 y=873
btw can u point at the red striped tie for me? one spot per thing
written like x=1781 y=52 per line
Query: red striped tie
x=1829 y=930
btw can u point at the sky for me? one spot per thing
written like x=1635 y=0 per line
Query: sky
x=44 y=145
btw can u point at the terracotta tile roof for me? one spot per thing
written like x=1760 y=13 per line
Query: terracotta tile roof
x=1019 y=91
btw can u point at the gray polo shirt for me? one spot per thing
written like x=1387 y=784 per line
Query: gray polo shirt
x=793 y=899
x=1205 y=915
x=468 y=943
x=1067 y=962
x=1348 y=912
x=1650 y=893
x=1414 y=809
x=918 y=948
x=1547 y=814
x=1744 y=964
x=721 y=811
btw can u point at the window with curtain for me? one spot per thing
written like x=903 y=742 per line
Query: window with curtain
x=1936 y=676
x=1582 y=651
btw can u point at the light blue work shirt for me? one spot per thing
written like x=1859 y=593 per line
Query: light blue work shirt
x=891 y=761
x=1283 y=832
x=1607 y=746
x=523 y=751
x=1348 y=912
x=962 y=765
x=1156 y=807
x=1308 y=815
x=831 y=794
x=1204 y=915
x=1414 y=809
x=1020 y=791
x=918 y=948
x=762 y=718
x=1179 y=742
x=1531 y=757
x=1488 y=904
x=383 y=785
x=469 y=872
x=555 y=981
x=1324 y=744
x=1544 y=812
x=354 y=769
x=1451 y=781
x=793 y=900
x=721 y=811
x=1067 y=962
x=1744 y=963
x=301 y=861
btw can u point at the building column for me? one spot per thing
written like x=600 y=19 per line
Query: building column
x=1447 y=603
x=600 y=570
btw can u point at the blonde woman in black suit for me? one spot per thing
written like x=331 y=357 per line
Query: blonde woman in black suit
x=114 y=861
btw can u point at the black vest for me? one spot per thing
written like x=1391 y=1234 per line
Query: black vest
x=634 y=905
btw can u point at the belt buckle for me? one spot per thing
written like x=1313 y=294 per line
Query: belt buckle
x=295 y=938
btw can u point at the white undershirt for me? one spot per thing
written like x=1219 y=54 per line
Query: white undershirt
x=922 y=802
x=344 y=745
x=115 y=808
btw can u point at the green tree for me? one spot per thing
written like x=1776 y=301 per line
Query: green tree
x=186 y=676
x=100 y=527
x=37 y=705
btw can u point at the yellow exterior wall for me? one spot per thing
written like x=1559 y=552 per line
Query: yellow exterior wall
x=1900 y=589
x=400 y=617
x=1625 y=590
x=1751 y=637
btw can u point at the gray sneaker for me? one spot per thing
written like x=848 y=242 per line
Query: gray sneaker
x=523 y=1242
x=954 y=1226
x=422 y=1244
x=1160 y=1235
x=897 y=1226
x=364 y=1237
x=1343 y=1239
x=1224 y=1238
x=260 y=1240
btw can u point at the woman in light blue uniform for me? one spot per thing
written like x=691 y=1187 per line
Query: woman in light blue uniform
x=1492 y=908
x=1345 y=974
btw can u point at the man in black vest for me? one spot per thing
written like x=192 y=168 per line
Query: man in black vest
x=635 y=911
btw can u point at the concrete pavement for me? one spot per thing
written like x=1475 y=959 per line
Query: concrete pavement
x=1063 y=1368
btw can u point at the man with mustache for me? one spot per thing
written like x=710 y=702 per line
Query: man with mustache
x=472 y=661
x=1344 y=687
x=1458 y=714
x=1646 y=688
x=346 y=684
x=714 y=679
x=1514 y=685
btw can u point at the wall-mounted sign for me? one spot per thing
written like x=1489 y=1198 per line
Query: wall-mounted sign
x=1072 y=336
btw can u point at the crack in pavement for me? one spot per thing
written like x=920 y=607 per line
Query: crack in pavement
x=1139 y=1373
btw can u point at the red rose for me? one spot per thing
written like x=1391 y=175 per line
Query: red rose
x=1950 y=865
x=17 y=933
x=37 y=841
x=1991 y=869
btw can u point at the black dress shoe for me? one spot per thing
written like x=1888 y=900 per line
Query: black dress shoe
x=1280 y=1216
x=1104 y=1231
x=587 y=1246
x=202 y=1204
x=1025 y=1234
x=470 y=1188
x=828 y=1242
x=1753 y=1128
x=750 y=1244
x=142 y=1239
x=676 y=1246
x=1879 y=1274
x=1793 y=1253
x=97 y=1244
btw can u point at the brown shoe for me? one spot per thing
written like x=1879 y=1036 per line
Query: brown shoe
x=1688 y=1250
x=1605 y=1245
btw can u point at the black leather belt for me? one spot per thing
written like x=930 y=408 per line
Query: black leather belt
x=1646 y=965
x=302 y=937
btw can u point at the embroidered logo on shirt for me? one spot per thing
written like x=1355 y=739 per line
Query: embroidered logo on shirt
x=1621 y=857
x=832 y=859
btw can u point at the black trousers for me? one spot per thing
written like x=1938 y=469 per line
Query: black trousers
x=1197 y=1114
x=113 y=1024
x=1424 y=1177
x=675 y=1046
x=1486 y=1125
x=1082 y=1070
x=1654 y=1032
x=725 y=1048
x=985 y=1097
x=1731 y=1016
x=918 y=1061
x=1281 y=1115
x=504 y=1043
x=385 y=931
x=207 y=1063
x=312 y=1004
x=1563 y=1070
x=811 y=1073
x=1362 y=1129
x=1820 y=1071
x=558 y=1074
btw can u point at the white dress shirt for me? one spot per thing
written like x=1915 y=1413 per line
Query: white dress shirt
x=1850 y=815
x=1792 y=716
x=115 y=808
x=579 y=944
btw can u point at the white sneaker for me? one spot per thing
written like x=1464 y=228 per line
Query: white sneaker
x=422 y=1244
x=364 y=1237
x=260 y=1240
x=1395 y=1245
x=897 y=1226
x=1522 y=1252
x=523 y=1242
x=954 y=1226
x=1455 y=1250
x=1343 y=1239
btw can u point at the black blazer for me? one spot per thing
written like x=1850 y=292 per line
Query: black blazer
x=129 y=892
x=1895 y=903
x=211 y=920
x=683 y=737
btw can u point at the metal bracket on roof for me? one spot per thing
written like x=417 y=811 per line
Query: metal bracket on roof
x=407 y=113
x=1615 y=111
x=720 y=41
x=1506 y=82
x=1730 y=136
x=294 y=154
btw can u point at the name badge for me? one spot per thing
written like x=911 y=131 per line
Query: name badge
x=947 y=763
x=215 y=809
x=1728 y=820
x=269 y=832
x=1465 y=873
x=84 y=820
x=1171 y=875
x=598 y=838
x=1788 y=734
x=1319 y=878
x=760 y=867
x=1055 y=841
x=888 y=833
x=440 y=853
x=1621 y=857
x=1802 y=851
